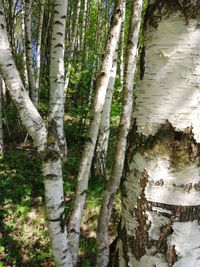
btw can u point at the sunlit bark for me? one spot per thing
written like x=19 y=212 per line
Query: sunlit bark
x=125 y=121
x=161 y=200
x=99 y=99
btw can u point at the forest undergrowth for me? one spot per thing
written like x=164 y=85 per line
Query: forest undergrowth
x=24 y=240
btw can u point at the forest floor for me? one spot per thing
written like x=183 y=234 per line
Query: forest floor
x=24 y=240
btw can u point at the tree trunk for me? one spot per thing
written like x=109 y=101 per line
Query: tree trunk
x=99 y=161
x=84 y=169
x=29 y=53
x=39 y=40
x=125 y=121
x=161 y=200
x=72 y=45
x=56 y=103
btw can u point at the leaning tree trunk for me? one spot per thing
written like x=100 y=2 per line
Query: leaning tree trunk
x=112 y=184
x=99 y=161
x=29 y=116
x=86 y=160
x=161 y=188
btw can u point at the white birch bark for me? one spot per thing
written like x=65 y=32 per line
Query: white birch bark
x=29 y=52
x=125 y=120
x=104 y=129
x=160 y=211
x=29 y=115
x=56 y=145
x=121 y=46
x=56 y=103
x=1 y=117
x=35 y=126
x=24 y=46
x=86 y=160
x=38 y=60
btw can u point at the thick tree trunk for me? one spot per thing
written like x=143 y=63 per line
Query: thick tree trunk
x=161 y=199
x=29 y=52
x=57 y=81
x=84 y=169
x=125 y=121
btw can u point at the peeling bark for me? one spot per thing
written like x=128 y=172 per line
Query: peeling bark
x=160 y=211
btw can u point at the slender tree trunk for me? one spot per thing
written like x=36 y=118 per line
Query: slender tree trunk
x=161 y=200
x=121 y=47
x=84 y=170
x=72 y=45
x=1 y=117
x=38 y=60
x=95 y=62
x=124 y=126
x=104 y=129
x=25 y=74
x=29 y=53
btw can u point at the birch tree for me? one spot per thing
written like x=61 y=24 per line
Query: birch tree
x=125 y=120
x=39 y=43
x=86 y=160
x=104 y=128
x=29 y=53
x=160 y=191
x=35 y=126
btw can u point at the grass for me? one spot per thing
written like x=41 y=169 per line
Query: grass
x=24 y=237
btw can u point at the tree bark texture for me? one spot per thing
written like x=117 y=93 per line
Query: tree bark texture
x=125 y=121
x=99 y=161
x=57 y=80
x=161 y=200
x=99 y=99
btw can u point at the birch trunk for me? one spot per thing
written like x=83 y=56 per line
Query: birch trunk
x=121 y=46
x=95 y=62
x=125 y=120
x=104 y=128
x=25 y=74
x=38 y=60
x=56 y=142
x=56 y=103
x=30 y=117
x=84 y=170
x=35 y=125
x=161 y=200
x=29 y=53
x=1 y=116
